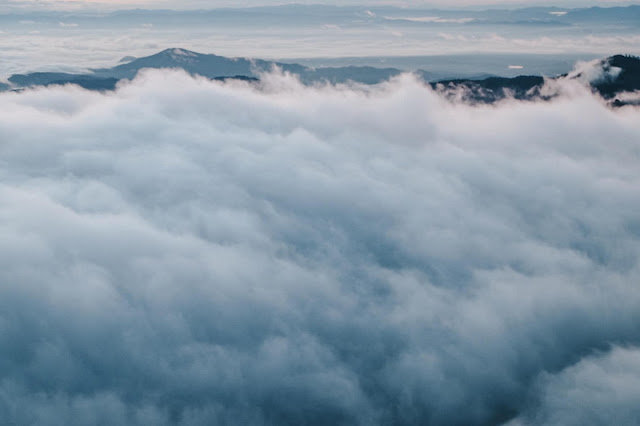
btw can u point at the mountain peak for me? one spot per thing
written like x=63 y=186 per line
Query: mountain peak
x=626 y=62
x=175 y=52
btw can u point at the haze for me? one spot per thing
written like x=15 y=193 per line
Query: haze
x=35 y=40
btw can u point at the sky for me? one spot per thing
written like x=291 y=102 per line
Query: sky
x=208 y=4
x=78 y=42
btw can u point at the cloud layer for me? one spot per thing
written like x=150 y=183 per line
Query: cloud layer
x=192 y=252
x=432 y=40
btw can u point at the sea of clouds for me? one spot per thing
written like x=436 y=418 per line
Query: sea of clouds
x=189 y=252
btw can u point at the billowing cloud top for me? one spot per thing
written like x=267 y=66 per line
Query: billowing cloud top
x=190 y=252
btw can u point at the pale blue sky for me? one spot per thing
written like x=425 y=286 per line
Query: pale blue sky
x=208 y=4
x=73 y=41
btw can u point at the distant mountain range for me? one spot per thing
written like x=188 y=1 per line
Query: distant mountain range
x=206 y=65
x=613 y=76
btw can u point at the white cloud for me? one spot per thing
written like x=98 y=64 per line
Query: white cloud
x=599 y=389
x=431 y=19
x=191 y=252
x=593 y=72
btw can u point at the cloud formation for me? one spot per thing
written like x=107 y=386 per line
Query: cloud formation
x=78 y=41
x=189 y=252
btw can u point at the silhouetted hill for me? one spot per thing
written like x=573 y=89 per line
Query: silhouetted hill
x=213 y=66
x=628 y=80
x=491 y=89
x=195 y=63
x=210 y=66
x=609 y=77
x=99 y=84
x=45 y=78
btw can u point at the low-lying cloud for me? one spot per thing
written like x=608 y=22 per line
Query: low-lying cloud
x=190 y=252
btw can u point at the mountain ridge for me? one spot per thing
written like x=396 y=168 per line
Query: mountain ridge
x=608 y=77
x=211 y=66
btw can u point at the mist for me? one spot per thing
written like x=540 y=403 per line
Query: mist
x=188 y=252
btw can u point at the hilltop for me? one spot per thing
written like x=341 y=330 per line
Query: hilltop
x=608 y=77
